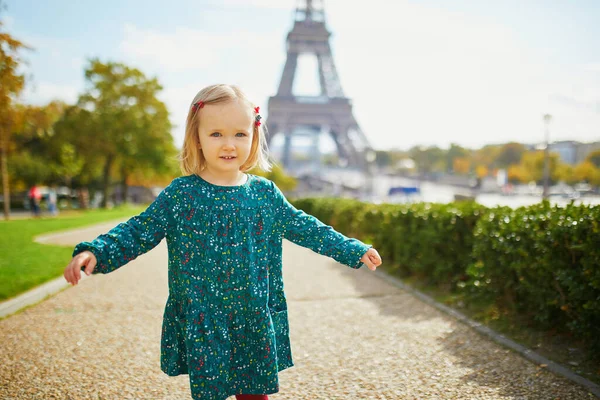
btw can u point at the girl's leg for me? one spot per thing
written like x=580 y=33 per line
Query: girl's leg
x=251 y=397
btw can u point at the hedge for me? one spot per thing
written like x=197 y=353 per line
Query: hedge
x=540 y=261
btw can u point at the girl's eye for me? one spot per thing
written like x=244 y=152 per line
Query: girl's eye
x=215 y=134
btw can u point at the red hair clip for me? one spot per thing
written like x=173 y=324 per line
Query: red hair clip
x=197 y=105
x=258 y=117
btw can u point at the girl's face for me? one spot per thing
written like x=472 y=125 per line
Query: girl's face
x=225 y=134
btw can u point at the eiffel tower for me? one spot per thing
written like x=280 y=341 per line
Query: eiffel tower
x=331 y=111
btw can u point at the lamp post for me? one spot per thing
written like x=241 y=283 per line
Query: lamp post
x=370 y=157
x=547 y=118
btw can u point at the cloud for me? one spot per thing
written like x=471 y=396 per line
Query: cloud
x=187 y=48
x=181 y=49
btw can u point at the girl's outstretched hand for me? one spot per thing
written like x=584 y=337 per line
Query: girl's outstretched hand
x=371 y=259
x=85 y=259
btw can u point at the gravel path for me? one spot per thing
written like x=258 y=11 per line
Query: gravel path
x=354 y=336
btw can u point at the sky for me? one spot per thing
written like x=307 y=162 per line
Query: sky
x=420 y=72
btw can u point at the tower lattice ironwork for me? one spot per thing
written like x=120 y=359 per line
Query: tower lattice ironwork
x=331 y=110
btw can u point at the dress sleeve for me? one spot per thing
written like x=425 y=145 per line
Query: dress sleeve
x=130 y=239
x=307 y=231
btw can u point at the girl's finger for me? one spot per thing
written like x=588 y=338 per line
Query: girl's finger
x=77 y=271
x=70 y=276
x=90 y=267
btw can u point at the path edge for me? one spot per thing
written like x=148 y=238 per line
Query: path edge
x=49 y=288
x=495 y=336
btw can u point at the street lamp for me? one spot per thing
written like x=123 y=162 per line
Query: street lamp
x=547 y=118
x=370 y=157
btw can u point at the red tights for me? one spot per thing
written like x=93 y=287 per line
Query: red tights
x=251 y=397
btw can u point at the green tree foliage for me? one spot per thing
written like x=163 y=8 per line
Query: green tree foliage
x=456 y=152
x=487 y=156
x=427 y=160
x=33 y=138
x=120 y=123
x=75 y=130
x=510 y=154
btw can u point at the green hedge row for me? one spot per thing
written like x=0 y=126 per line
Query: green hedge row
x=541 y=261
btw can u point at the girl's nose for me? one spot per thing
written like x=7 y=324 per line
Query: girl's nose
x=229 y=144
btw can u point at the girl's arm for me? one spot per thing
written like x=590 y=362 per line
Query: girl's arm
x=307 y=231
x=128 y=240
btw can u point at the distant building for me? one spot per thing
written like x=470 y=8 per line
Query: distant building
x=567 y=150
x=572 y=152
x=585 y=149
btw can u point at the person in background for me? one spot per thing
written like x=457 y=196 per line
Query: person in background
x=35 y=198
x=52 y=201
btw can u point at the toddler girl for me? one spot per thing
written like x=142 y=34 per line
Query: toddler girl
x=225 y=321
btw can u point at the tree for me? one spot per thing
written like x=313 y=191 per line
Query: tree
x=532 y=164
x=517 y=174
x=564 y=172
x=510 y=154
x=11 y=84
x=594 y=158
x=482 y=171
x=461 y=165
x=487 y=155
x=75 y=139
x=128 y=125
x=586 y=172
x=383 y=158
x=427 y=160
x=33 y=138
x=455 y=151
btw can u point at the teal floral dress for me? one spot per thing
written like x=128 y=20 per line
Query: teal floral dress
x=225 y=321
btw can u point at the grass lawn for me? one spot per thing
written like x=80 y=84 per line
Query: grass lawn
x=25 y=264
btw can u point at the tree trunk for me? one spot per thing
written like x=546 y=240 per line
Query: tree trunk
x=124 y=186
x=106 y=180
x=4 y=166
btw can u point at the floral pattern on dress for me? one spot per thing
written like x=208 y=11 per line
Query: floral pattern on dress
x=225 y=322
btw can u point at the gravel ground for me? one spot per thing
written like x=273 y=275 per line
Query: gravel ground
x=354 y=336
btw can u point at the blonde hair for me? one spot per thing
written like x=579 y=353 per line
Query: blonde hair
x=191 y=159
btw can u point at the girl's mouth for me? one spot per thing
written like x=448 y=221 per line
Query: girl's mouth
x=228 y=158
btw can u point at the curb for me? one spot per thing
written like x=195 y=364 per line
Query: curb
x=49 y=288
x=32 y=296
x=498 y=338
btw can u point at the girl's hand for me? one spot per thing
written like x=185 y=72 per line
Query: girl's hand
x=371 y=259
x=73 y=271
